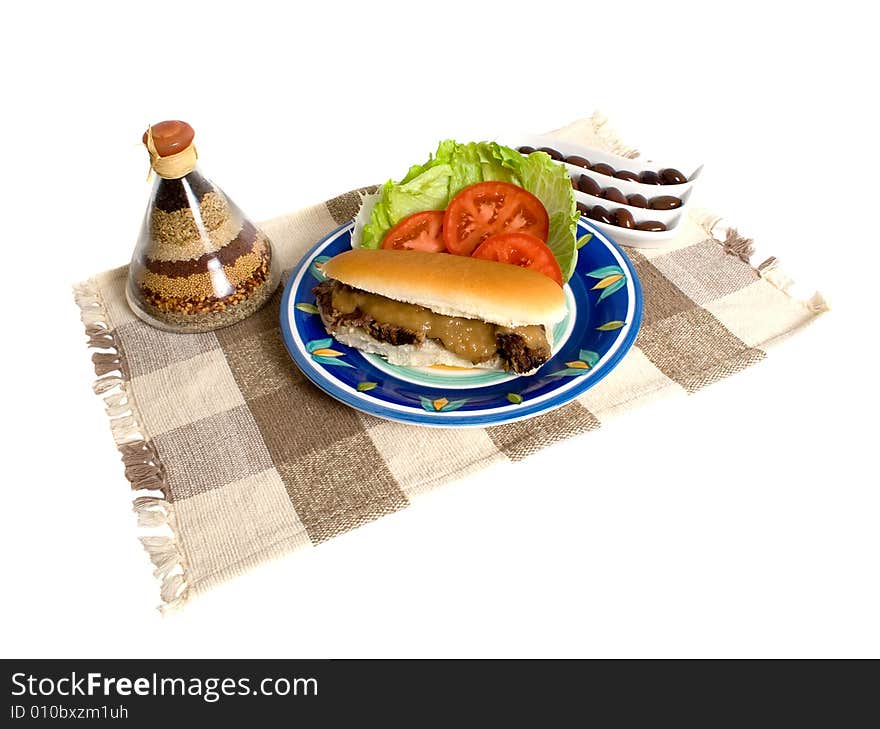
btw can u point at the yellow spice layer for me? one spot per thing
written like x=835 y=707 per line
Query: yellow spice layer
x=177 y=237
x=193 y=315
x=207 y=284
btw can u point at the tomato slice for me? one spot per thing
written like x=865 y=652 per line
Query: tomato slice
x=417 y=232
x=488 y=208
x=521 y=249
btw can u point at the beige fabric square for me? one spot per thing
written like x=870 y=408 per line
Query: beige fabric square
x=184 y=392
x=663 y=299
x=341 y=486
x=634 y=381
x=293 y=235
x=760 y=313
x=212 y=452
x=695 y=349
x=704 y=272
x=231 y=525
x=111 y=285
x=260 y=363
x=454 y=453
x=523 y=438
x=157 y=350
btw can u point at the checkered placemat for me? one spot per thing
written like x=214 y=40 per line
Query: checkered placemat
x=234 y=457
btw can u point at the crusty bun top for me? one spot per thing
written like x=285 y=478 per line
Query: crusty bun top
x=497 y=293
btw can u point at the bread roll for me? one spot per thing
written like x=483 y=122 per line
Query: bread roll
x=497 y=293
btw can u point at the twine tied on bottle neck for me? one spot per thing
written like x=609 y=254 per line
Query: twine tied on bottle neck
x=174 y=166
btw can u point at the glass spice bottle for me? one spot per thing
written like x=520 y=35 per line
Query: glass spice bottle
x=199 y=263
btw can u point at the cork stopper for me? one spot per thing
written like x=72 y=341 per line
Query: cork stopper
x=172 y=152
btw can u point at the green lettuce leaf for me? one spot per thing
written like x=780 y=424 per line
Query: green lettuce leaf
x=453 y=167
x=427 y=191
x=549 y=182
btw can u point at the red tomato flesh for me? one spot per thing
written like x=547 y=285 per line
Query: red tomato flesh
x=418 y=232
x=489 y=208
x=521 y=249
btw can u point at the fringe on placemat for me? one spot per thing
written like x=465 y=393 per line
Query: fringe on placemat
x=609 y=137
x=596 y=127
x=143 y=467
x=743 y=248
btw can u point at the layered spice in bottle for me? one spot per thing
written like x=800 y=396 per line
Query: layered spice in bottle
x=199 y=263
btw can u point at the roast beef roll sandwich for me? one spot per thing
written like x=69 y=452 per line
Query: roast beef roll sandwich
x=418 y=309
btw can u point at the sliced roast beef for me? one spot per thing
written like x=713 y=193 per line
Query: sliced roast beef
x=517 y=355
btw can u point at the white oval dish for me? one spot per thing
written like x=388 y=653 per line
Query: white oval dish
x=667 y=217
x=617 y=162
x=628 y=187
x=637 y=238
x=625 y=236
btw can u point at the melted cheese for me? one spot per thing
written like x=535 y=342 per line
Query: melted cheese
x=470 y=339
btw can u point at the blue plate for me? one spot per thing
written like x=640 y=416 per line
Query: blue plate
x=604 y=312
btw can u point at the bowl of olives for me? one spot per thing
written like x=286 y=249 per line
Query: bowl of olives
x=638 y=202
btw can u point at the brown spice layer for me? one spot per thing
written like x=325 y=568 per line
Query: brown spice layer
x=243 y=243
x=171 y=194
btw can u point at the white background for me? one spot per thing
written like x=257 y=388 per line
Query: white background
x=742 y=521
